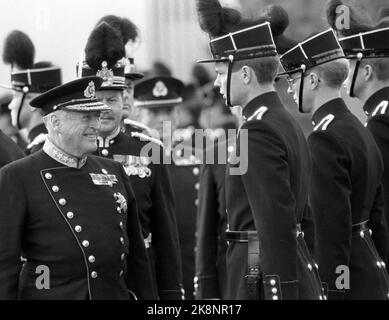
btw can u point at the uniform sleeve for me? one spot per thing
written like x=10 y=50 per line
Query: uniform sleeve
x=308 y=227
x=330 y=200
x=273 y=205
x=378 y=225
x=138 y=274
x=12 y=213
x=207 y=237
x=165 y=239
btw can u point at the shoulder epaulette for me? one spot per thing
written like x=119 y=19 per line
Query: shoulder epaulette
x=145 y=137
x=137 y=125
x=38 y=140
x=258 y=114
x=324 y=123
x=381 y=108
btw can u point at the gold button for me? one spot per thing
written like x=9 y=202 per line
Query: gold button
x=379 y=264
x=197 y=186
x=104 y=152
x=78 y=229
x=196 y=171
x=91 y=259
x=316 y=266
x=309 y=267
x=121 y=273
x=55 y=188
x=274 y=291
x=62 y=202
x=121 y=240
x=196 y=202
x=362 y=234
x=94 y=274
x=70 y=215
x=123 y=256
x=121 y=225
x=85 y=243
x=275 y=297
x=104 y=171
x=119 y=210
x=321 y=297
x=48 y=176
x=273 y=282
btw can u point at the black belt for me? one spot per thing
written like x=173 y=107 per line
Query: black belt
x=243 y=236
x=361 y=226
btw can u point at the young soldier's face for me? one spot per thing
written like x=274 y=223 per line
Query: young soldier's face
x=359 y=82
x=110 y=120
x=15 y=106
x=294 y=82
x=237 y=92
x=128 y=100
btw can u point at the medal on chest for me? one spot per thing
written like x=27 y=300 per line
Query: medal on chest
x=134 y=166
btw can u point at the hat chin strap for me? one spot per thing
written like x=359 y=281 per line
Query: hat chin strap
x=229 y=73
x=355 y=74
x=25 y=91
x=301 y=89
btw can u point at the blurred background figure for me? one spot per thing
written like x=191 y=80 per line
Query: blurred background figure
x=28 y=80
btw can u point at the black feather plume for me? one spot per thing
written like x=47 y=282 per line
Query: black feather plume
x=104 y=44
x=19 y=50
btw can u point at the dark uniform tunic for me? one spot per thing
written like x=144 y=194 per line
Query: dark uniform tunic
x=185 y=171
x=346 y=199
x=271 y=197
x=377 y=111
x=9 y=151
x=78 y=218
x=211 y=248
x=37 y=137
x=155 y=199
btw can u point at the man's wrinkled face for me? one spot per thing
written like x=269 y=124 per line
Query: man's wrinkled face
x=110 y=120
x=15 y=106
x=78 y=131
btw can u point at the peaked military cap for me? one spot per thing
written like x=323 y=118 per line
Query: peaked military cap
x=158 y=92
x=77 y=95
x=249 y=43
x=321 y=48
x=104 y=57
x=130 y=70
x=370 y=43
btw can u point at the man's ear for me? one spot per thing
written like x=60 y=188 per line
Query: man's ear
x=313 y=80
x=55 y=121
x=247 y=74
x=367 y=72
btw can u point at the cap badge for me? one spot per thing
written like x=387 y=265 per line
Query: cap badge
x=160 y=90
x=90 y=91
x=105 y=73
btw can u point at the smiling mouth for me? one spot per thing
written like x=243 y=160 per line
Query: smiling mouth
x=90 y=135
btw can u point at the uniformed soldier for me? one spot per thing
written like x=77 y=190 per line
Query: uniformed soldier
x=28 y=80
x=140 y=156
x=72 y=216
x=267 y=190
x=211 y=244
x=159 y=97
x=346 y=190
x=368 y=50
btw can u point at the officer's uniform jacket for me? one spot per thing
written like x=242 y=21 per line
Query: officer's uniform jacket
x=37 y=137
x=346 y=198
x=377 y=111
x=153 y=191
x=185 y=170
x=9 y=151
x=211 y=247
x=76 y=219
x=271 y=197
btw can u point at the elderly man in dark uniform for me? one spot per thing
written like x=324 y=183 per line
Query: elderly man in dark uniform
x=368 y=78
x=268 y=175
x=72 y=216
x=346 y=190
x=28 y=80
x=158 y=98
x=140 y=156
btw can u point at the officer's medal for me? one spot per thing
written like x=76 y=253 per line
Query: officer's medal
x=134 y=166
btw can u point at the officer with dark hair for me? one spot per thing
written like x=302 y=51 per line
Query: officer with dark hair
x=28 y=80
x=346 y=191
x=141 y=157
x=267 y=190
x=366 y=46
x=71 y=215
